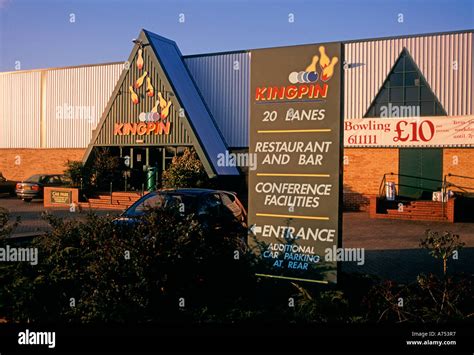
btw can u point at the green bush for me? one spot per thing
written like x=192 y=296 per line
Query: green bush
x=95 y=270
x=442 y=246
x=5 y=229
x=185 y=171
x=78 y=174
x=104 y=168
x=430 y=298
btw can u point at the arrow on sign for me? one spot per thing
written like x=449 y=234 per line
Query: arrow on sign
x=254 y=229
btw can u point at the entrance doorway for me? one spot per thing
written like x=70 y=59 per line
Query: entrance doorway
x=138 y=160
x=423 y=170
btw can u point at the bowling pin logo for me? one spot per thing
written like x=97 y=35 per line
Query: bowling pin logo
x=165 y=111
x=134 y=96
x=327 y=64
x=164 y=106
x=140 y=80
x=328 y=71
x=324 y=62
x=161 y=100
x=155 y=108
x=140 y=59
x=310 y=74
x=150 y=91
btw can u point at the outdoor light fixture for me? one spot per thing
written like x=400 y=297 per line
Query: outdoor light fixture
x=137 y=41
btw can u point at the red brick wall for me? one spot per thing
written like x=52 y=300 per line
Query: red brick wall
x=459 y=162
x=363 y=171
x=366 y=166
x=19 y=164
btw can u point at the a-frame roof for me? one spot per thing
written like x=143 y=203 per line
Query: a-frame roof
x=197 y=119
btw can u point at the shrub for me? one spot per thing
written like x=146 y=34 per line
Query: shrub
x=78 y=174
x=98 y=270
x=185 y=171
x=429 y=299
x=104 y=168
x=95 y=269
x=442 y=246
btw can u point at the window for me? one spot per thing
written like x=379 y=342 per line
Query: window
x=405 y=86
x=165 y=201
x=228 y=200
x=211 y=205
x=54 y=180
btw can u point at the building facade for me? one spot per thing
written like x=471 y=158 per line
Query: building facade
x=53 y=115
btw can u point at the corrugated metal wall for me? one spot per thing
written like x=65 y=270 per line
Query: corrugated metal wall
x=224 y=82
x=20 y=108
x=75 y=100
x=226 y=91
x=54 y=108
x=435 y=55
x=123 y=110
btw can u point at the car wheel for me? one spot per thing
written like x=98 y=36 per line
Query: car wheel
x=27 y=199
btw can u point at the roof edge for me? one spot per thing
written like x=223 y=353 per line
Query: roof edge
x=60 y=68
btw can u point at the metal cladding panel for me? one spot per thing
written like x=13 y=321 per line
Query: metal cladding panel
x=20 y=109
x=188 y=94
x=445 y=60
x=75 y=100
x=122 y=110
x=224 y=82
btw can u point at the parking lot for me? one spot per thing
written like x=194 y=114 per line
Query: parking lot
x=391 y=246
x=29 y=213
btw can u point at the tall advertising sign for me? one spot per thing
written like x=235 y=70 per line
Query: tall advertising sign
x=296 y=136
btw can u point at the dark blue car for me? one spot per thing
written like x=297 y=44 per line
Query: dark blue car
x=221 y=209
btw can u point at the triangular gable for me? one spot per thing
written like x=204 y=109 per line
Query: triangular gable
x=187 y=121
x=406 y=86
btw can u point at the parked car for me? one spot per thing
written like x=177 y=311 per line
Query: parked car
x=7 y=186
x=215 y=209
x=33 y=187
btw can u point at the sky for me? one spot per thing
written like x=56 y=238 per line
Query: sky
x=57 y=33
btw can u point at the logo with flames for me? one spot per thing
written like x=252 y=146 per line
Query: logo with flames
x=310 y=74
x=154 y=115
x=151 y=123
x=304 y=84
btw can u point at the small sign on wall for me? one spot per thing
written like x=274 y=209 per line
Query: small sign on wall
x=410 y=132
x=61 y=197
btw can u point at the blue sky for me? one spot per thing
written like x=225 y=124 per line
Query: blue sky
x=40 y=34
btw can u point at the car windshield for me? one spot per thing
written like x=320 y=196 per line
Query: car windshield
x=35 y=178
x=161 y=201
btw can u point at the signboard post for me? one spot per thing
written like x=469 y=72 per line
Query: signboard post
x=296 y=135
